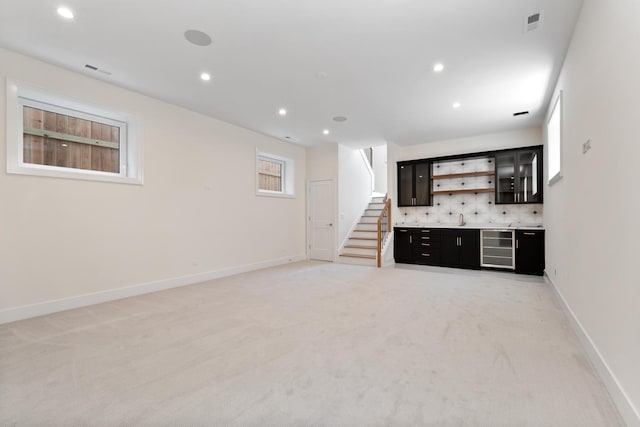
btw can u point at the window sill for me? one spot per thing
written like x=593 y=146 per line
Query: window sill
x=69 y=173
x=277 y=195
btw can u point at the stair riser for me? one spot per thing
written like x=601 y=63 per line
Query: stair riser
x=370 y=226
x=361 y=251
x=357 y=261
x=369 y=234
x=369 y=220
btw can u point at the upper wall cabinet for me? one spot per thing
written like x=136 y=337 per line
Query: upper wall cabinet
x=519 y=176
x=414 y=183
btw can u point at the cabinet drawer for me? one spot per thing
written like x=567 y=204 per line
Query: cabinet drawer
x=427 y=257
x=420 y=243
x=427 y=238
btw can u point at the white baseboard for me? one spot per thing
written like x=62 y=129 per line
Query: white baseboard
x=33 y=310
x=627 y=409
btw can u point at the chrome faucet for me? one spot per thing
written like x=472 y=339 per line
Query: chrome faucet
x=461 y=220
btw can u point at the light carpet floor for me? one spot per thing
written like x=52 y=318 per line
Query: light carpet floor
x=308 y=344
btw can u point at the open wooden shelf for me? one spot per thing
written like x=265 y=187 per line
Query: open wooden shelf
x=462 y=175
x=470 y=190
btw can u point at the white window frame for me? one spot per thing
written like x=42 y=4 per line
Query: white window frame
x=554 y=141
x=130 y=149
x=287 y=179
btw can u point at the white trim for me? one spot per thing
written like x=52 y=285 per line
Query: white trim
x=39 y=309
x=556 y=106
x=629 y=412
x=366 y=162
x=287 y=178
x=131 y=150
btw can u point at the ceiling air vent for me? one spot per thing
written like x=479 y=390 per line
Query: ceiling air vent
x=533 y=22
x=100 y=70
x=520 y=113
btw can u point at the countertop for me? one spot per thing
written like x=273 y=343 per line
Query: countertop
x=489 y=226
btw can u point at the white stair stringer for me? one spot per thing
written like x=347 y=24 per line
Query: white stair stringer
x=362 y=245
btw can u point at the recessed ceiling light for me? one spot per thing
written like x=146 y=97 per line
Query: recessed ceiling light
x=325 y=132
x=65 y=12
x=205 y=76
x=456 y=105
x=282 y=112
x=438 y=67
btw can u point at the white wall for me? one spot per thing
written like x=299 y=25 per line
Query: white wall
x=354 y=188
x=322 y=162
x=380 y=169
x=479 y=143
x=591 y=214
x=196 y=215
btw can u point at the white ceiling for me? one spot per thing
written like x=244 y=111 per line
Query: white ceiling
x=369 y=60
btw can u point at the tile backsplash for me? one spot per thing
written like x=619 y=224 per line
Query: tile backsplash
x=477 y=208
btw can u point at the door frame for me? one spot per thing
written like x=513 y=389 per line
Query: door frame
x=334 y=252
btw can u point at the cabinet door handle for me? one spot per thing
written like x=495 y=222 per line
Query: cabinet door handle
x=402 y=231
x=426 y=254
x=426 y=244
x=529 y=234
x=517 y=244
x=410 y=239
x=460 y=241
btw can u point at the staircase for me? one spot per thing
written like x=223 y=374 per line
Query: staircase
x=362 y=246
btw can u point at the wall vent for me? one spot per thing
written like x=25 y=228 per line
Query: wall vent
x=533 y=21
x=520 y=113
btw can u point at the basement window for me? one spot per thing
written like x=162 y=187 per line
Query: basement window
x=274 y=175
x=55 y=137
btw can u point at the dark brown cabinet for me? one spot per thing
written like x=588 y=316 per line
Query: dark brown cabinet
x=460 y=248
x=414 y=183
x=519 y=176
x=403 y=245
x=435 y=246
x=417 y=245
x=530 y=252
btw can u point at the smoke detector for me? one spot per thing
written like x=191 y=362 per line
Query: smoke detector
x=533 y=21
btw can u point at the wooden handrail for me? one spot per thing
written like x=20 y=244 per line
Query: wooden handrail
x=385 y=210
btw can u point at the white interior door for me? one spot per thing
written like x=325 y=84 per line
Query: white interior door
x=321 y=220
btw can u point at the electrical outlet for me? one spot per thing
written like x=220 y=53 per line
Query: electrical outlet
x=586 y=146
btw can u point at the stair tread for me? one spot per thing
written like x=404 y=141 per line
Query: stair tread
x=360 y=247
x=363 y=238
x=358 y=255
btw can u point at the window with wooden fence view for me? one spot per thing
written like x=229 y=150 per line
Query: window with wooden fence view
x=270 y=175
x=57 y=139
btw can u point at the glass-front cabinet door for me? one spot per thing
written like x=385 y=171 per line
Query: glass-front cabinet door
x=423 y=184
x=414 y=183
x=405 y=185
x=519 y=176
x=529 y=171
x=505 y=178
